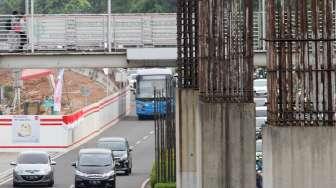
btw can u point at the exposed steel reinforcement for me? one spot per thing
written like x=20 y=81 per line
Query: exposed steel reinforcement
x=226 y=51
x=301 y=62
x=187 y=43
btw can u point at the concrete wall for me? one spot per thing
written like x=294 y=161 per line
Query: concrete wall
x=215 y=143
x=187 y=139
x=299 y=157
x=58 y=132
x=228 y=145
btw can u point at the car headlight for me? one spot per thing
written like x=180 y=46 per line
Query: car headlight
x=109 y=174
x=123 y=157
x=81 y=174
x=46 y=171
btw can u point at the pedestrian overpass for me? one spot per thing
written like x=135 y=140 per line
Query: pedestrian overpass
x=102 y=40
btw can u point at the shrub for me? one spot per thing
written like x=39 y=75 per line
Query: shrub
x=153 y=178
x=165 y=185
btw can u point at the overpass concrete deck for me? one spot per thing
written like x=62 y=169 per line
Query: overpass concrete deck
x=126 y=58
x=130 y=58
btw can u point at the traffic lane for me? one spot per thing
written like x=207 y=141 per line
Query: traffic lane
x=135 y=131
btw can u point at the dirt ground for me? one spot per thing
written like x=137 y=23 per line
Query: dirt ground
x=72 y=100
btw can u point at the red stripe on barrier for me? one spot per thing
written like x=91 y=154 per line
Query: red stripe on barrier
x=2 y=120
x=51 y=120
x=5 y=124
x=51 y=124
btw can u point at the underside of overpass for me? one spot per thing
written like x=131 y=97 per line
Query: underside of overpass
x=127 y=58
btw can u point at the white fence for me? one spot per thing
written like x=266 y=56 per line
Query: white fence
x=81 y=32
x=58 y=132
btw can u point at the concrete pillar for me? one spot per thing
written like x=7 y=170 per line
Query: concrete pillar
x=299 y=157
x=228 y=145
x=186 y=134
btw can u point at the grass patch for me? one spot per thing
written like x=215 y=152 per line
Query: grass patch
x=165 y=185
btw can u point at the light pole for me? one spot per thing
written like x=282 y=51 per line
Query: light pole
x=109 y=25
x=32 y=25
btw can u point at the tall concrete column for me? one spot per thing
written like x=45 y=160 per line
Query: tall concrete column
x=228 y=145
x=187 y=120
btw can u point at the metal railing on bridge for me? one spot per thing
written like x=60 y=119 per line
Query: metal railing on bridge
x=93 y=32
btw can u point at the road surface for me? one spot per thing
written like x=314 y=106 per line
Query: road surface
x=141 y=138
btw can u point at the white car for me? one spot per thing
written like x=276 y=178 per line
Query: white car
x=261 y=111
x=260 y=87
x=260 y=101
x=33 y=168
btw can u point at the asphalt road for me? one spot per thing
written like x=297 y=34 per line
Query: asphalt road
x=141 y=138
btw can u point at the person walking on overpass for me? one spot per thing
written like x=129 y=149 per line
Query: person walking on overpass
x=12 y=35
x=20 y=29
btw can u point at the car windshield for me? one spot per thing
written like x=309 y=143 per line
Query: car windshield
x=114 y=146
x=33 y=158
x=260 y=83
x=95 y=159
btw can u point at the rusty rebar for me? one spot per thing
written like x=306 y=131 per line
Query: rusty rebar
x=226 y=50
x=300 y=61
x=187 y=43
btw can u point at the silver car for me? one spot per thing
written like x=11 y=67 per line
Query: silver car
x=33 y=168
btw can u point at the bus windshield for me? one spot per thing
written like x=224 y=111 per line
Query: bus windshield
x=146 y=87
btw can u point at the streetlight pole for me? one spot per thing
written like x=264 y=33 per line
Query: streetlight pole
x=26 y=7
x=109 y=26
x=32 y=25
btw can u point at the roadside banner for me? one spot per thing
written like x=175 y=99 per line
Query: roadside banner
x=26 y=129
x=58 y=91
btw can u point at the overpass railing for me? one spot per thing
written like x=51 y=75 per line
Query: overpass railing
x=94 y=32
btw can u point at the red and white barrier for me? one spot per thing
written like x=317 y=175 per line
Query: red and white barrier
x=57 y=132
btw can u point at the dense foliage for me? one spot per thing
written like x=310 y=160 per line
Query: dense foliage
x=89 y=6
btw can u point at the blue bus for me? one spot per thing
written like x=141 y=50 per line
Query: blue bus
x=147 y=81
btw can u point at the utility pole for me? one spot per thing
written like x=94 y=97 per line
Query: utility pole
x=32 y=25
x=109 y=26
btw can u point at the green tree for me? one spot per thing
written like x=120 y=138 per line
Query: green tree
x=8 y=6
x=61 y=6
x=144 y=6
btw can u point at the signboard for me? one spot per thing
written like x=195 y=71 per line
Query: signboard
x=26 y=129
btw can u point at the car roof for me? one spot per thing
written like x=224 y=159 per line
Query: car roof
x=112 y=139
x=95 y=150
x=261 y=108
x=33 y=152
x=154 y=71
x=261 y=79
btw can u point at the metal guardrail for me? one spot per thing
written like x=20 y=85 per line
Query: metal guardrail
x=90 y=32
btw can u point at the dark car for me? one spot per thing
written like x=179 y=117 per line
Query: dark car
x=121 y=152
x=95 y=168
x=33 y=168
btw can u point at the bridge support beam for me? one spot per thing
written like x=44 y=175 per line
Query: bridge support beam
x=188 y=139
x=228 y=145
x=215 y=143
x=299 y=157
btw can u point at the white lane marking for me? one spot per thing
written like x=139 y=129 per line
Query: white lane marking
x=143 y=185
x=71 y=186
x=152 y=132
x=138 y=142
x=6 y=181
x=145 y=137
